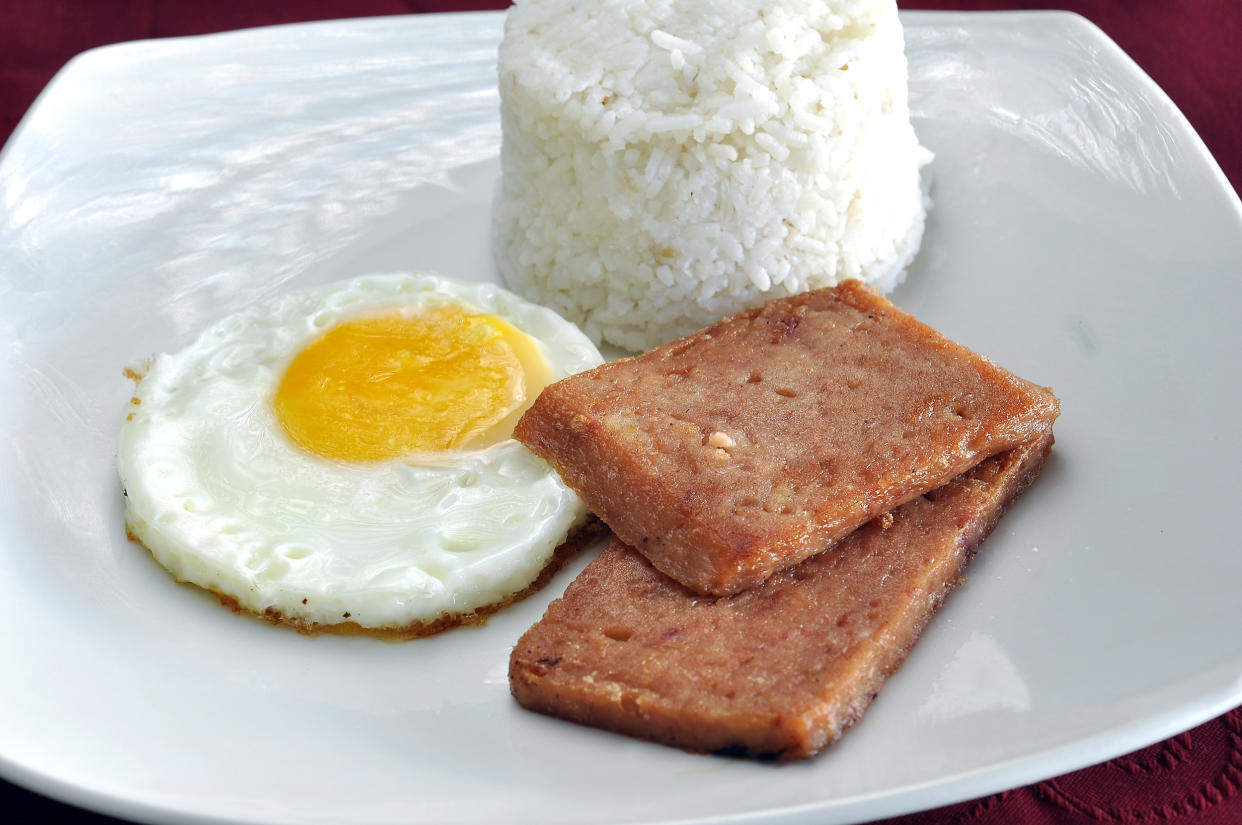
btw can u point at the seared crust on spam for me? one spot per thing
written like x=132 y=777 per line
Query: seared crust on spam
x=746 y=447
x=779 y=671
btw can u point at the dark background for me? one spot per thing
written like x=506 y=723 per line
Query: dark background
x=1191 y=49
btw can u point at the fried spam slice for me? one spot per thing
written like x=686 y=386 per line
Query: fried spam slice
x=779 y=671
x=746 y=447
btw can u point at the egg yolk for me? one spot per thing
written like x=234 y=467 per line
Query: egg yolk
x=387 y=387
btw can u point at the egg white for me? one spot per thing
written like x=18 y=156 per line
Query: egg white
x=225 y=500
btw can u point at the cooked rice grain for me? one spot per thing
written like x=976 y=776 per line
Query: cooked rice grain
x=667 y=163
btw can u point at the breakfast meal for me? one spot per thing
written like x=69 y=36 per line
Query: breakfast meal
x=339 y=458
x=781 y=670
x=792 y=489
x=744 y=448
x=665 y=164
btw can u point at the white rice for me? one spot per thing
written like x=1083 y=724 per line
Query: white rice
x=667 y=163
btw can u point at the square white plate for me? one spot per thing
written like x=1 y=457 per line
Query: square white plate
x=1081 y=236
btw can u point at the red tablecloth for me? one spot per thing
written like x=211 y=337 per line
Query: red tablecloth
x=1190 y=47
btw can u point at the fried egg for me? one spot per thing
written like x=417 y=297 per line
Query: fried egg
x=343 y=454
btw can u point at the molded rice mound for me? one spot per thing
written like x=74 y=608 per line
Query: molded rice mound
x=779 y=671
x=738 y=451
x=667 y=163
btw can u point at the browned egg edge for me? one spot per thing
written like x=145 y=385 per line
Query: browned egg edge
x=573 y=544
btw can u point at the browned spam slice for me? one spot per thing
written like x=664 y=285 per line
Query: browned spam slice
x=778 y=671
x=746 y=447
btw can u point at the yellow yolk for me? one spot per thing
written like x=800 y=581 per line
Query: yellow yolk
x=387 y=387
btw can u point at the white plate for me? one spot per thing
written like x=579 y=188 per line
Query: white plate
x=1081 y=236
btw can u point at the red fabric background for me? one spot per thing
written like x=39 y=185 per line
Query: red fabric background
x=1190 y=47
